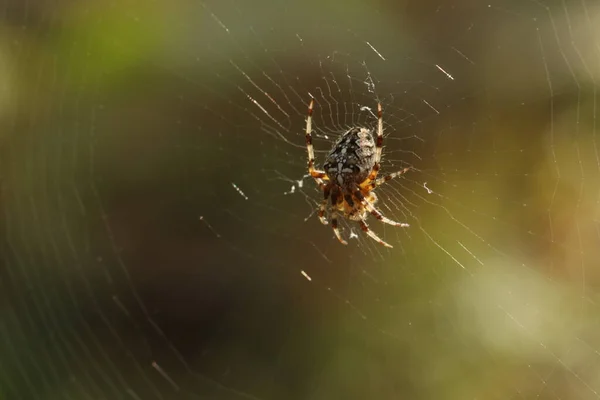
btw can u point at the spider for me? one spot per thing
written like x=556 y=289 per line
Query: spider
x=349 y=176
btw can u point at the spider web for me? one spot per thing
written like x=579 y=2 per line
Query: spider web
x=159 y=232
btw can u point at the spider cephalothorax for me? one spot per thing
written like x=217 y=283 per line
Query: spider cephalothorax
x=349 y=176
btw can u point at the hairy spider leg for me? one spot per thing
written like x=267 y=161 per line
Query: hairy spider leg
x=349 y=200
x=336 y=230
x=322 y=207
x=319 y=176
x=376 y=213
x=379 y=143
x=378 y=148
x=335 y=198
x=371 y=234
x=379 y=181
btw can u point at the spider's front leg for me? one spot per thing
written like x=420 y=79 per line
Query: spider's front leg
x=372 y=184
x=319 y=176
x=378 y=150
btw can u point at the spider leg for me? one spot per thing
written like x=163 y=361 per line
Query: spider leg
x=376 y=213
x=379 y=142
x=369 y=185
x=378 y=146
x=319 y=176
x=321 y=214
x=320 y=183
x=336 y=230
x=335 y=199
x=371 y=234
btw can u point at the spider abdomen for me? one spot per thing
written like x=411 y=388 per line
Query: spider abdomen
x=352 y=158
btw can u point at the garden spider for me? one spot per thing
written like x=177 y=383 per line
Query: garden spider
x=349 y=176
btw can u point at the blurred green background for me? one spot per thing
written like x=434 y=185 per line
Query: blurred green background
x=132 y=267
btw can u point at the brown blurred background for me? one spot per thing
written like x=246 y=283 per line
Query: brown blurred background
x=133 y=268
